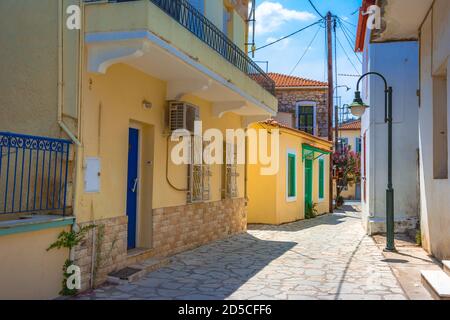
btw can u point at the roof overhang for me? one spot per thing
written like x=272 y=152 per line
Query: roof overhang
x=311 y=152
x=401 y=20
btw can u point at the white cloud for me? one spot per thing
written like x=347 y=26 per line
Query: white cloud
x=270 y=16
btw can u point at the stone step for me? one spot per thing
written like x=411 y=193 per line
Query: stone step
x=437 y=283
x=137 y=271
x=446 y=264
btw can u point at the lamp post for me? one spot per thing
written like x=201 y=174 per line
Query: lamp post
x=358 y=108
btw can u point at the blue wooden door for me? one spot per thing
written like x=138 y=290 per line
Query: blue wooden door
x=132 y=186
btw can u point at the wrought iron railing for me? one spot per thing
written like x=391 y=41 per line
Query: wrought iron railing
x=194 y=21
x=33 y=174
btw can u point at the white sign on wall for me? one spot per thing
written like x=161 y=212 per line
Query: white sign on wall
x=92 y=175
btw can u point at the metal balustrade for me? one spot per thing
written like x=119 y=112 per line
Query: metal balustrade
x=33 y=174
x=194 y=21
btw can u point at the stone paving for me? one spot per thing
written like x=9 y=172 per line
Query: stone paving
x=329 y=257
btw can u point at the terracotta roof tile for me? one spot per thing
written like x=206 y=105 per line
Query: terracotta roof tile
x=354 y=125
x=286 y=81
x=275 y=123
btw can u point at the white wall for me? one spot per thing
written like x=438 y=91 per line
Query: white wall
x=435 y=194
x=398 y=62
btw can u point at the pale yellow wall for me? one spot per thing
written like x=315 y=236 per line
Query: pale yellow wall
x=111 y=102
x=143 y=15
x=268 y=194
x=351 y=135
x=29 y=67
x=27 y=270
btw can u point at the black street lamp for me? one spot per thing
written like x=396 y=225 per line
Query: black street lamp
x=358 y=108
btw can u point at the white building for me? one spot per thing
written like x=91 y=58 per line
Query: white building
x=429 y=22
x=398 y=62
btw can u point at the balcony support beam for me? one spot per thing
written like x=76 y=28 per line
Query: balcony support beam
x=101 y=57
x=177 y=89
x=220 y=108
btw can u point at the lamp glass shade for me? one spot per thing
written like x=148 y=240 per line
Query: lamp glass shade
x=357 y=108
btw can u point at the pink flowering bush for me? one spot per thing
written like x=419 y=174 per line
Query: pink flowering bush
x=347 y=171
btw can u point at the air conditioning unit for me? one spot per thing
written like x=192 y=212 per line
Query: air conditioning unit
x=182 y=116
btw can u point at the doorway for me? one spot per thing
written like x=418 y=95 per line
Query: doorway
x=132 y=186
x=308 y=183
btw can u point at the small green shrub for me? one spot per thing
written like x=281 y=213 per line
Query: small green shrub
x=311 y=211
x=69 y=240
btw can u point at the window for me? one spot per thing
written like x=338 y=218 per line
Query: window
x=358 y=145
x=291 y=176
x=306 y=117
x=199 y=174
x=230 y=175
x=440 y=134
x=343 y=142
x=321 y=178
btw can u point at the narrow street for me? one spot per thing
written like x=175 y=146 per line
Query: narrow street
x=329 y=258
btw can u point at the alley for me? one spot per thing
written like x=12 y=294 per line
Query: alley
x=329 y=257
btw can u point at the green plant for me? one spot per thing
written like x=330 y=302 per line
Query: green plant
x=339 y=201
x=311 y=211
x=347 y=171
x=419 y=238
x=65 y=291
x=69 y=240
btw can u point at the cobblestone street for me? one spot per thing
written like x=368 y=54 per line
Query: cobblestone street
x=329 y=257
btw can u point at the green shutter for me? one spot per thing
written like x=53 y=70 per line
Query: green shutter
x=321 y=178
x=292 y=192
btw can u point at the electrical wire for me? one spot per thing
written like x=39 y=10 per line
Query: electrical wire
x=350 y=43
x=308 y=47
x=288 y=36
x=315 y=9
x=349 y=60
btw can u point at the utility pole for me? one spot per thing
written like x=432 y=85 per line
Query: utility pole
x=329 y=19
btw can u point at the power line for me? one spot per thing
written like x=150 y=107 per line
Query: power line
x=315 y=9
x=345 y=52
x=288 y=36
x=350 y=43
x=306 y=51
x=353 y=34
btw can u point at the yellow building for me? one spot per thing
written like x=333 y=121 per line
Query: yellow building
x=302 y=181
x=350 y=135
x=115 y=88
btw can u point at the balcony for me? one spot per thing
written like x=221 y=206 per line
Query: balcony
x=153 y=28
x=33 y=176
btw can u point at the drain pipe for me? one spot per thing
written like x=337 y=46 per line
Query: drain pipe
x=60 y=121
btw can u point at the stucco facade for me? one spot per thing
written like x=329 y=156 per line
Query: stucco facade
x=93 y=85
x=434 y=84
x=269 y=199
x=398 y=62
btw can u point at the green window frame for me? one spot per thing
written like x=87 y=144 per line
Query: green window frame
x=321 y=178
x=291 y=176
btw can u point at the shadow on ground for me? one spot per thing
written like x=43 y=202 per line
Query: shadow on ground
x=211 y=272
x=328 y=219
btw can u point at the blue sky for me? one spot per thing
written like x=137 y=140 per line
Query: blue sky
x=277 y=18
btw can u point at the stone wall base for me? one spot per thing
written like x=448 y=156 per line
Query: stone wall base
x=103 y=251
x=175 y=229
x=375 y=225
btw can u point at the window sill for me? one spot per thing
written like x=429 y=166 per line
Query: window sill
x=34 y=223
x=293 y=199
